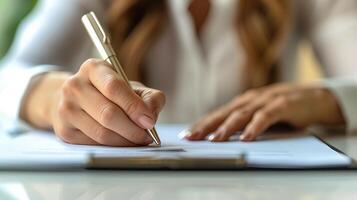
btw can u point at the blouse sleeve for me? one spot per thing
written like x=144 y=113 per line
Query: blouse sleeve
x=331 y=27
x=50 y=38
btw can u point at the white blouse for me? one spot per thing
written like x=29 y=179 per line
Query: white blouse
x=197 y=74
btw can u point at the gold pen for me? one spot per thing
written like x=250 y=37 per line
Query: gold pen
x=103 y=44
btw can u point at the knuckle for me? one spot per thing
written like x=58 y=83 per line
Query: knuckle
x=65 y=108
x=236 y=101
x=70 y=86
x=112 y=85
x=89 y=64
x=236 y=114
x=91 y=61
x=101 y=135
x=284 y=102
x=107 y=114
x=264 y=115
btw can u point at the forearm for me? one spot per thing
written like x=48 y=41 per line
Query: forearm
x=345 y=92
x=330 y=112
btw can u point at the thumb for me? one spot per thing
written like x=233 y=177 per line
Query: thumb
x=152 y=98
x=139 y=111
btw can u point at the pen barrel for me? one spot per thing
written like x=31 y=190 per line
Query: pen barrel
x=113 y=60
x=153 y=133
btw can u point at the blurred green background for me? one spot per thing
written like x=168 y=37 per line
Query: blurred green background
x=12 y=12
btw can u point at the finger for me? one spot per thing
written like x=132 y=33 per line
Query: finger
x=154 y=99
x=97 y=132
x=110 y=115
x=63 y=127
x=74 y=136
x=264 y=118
x=77 y=127
x=207 y=124
x=212 y=121
x=107 y=81
x=236 y=121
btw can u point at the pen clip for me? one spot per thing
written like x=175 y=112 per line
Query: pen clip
x=98 y=35
x=105 y=38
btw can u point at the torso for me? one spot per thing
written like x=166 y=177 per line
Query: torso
x=198 y=69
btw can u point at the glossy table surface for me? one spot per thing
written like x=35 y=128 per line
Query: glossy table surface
x=243 y=184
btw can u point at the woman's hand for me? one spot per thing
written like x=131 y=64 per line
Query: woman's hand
x=94 y=106
x=258 y=109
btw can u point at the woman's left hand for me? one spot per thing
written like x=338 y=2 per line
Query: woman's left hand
x=258 y=109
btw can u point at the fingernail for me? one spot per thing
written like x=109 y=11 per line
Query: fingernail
x=148 y=140
x=146 y=122
x=246 y=134
x=212 y=137
x=184 y=134
x=242 y=137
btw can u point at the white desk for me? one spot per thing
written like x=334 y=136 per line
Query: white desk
x=225 y=185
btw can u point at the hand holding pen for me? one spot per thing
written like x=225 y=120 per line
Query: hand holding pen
x=97 y=106
x=105 y=49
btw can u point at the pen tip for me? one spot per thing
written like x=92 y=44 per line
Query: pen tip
x=154 y=136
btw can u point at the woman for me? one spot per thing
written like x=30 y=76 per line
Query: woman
x=201 y=54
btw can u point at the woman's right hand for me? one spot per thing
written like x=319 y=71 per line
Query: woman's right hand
x=95 y=106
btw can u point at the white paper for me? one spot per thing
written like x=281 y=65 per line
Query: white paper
x=295 y=152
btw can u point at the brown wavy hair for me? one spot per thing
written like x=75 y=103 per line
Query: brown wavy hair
x=262 y=26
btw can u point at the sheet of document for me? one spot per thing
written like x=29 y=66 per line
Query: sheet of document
x=289 y=152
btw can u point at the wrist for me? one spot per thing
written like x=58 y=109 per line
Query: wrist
x=329 y=110
x=41 y=97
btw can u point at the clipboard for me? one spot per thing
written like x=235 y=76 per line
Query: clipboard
x=63 y=161
x=49 y=153
x=166 y=161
